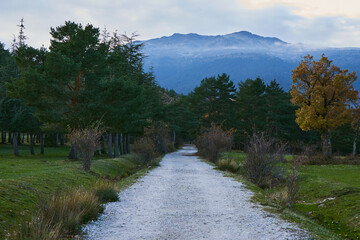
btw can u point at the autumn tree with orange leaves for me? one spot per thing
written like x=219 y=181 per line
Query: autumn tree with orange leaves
x=324 y=94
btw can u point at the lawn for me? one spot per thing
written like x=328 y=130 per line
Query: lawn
x=26 y=179
x=329 y=195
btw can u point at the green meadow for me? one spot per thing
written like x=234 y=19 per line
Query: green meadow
x=27 y=180
x=328 y=202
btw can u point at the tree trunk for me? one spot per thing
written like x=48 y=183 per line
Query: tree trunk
x=86 y=164
x=124 y=143
x=116 y=145
x=73 y=153
x=356 y=138
x=10 y=138
x=27 y=138
x=97 y=152
x=326 y=144
x=62 y=140
x=23 y=138
x=3 y=137
x=121 y=144
x=19 y=139
x=32 y=152
x=174 y=137
x=128 y=143
x=103 y=150
x=15 y=144
x=56 y=140
x=42 y=143
x=86 y=159
x=110 y=145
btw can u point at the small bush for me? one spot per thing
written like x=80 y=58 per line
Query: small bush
x=262 y=161
x=292 y=185
x=106 y=192
x=213 y=141
x=86 y=141
x=160 y=134
x=293 y=182
x=280 y=197
x=144 y=148
x=228 y=165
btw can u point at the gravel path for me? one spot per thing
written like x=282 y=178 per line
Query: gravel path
x=183 y=199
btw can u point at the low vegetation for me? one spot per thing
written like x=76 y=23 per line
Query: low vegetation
x=213 y=141
x=262 y=161
x=49 y=196
x=153 y=144
x=86 y=141
x=322 y=198
x=228 y=165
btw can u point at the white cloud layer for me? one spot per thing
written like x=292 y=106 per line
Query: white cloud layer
x=319 y=23
x=312 y=8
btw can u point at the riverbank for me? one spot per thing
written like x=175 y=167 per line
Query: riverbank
x=27 y=180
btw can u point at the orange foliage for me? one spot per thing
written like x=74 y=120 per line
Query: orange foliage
x=323 y=92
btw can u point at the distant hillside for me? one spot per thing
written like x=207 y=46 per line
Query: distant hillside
x=180 y=61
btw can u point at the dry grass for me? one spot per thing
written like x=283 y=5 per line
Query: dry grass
x=61 y=216
x=106 y=191
x=228 y=164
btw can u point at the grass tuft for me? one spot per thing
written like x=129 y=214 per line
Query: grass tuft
x=106 y=192
x=228 y=165
x=61 y=216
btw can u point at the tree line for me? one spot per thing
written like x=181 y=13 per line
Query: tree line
x=322 y=106
x=85 y=76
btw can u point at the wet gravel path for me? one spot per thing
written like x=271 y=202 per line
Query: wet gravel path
x=183 y=199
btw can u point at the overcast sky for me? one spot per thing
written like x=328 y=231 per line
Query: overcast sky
x=330 y=23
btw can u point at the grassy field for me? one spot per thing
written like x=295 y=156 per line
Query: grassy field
x=26 y=179
x=329 y=197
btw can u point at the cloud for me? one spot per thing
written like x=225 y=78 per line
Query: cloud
x=287 y=19
x=311 y=8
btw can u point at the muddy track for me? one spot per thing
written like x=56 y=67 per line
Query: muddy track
x=186 y=198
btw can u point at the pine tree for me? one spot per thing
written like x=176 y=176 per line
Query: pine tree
x=213 y=101
x=251 y=109
x=22 y=37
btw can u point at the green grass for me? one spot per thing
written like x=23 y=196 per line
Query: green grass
x=26 y=179
x=328 y=202
x=331 y=195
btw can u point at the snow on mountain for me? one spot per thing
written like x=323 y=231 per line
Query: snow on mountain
x=181 y=61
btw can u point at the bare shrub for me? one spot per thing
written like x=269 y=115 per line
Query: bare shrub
x=293 y=183
x=160 y=134
x=319 y=159
x=262 y=161
x=213 y=141
x=310 y=155
x=144 y=148
x=86 y=141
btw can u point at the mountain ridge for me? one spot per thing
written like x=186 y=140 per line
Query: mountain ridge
x=181 y=61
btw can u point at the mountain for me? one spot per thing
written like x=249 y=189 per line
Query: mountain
x=181 y=61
